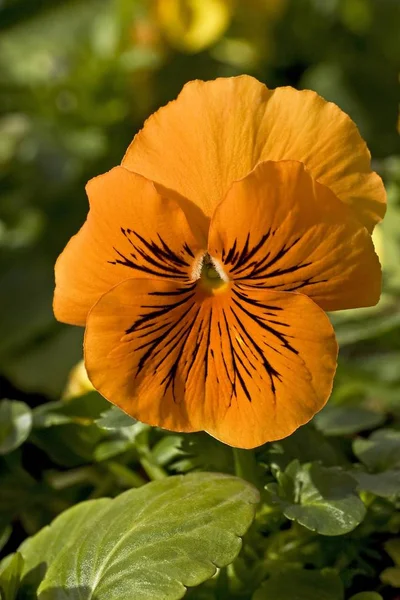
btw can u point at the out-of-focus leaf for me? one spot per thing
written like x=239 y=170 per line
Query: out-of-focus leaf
x=319 y=498
x=110 y=448
x=391 y=576
x=66 y=430
x=10 y=576
x=345 y=420
x=42 y=366
x=15 y=424
x=384 y=484
x=392 y=547
x=367 y=596
x=83 y=410
x=306 y=444
x=381 y=451
x=114 y=418
x=201 y=451
x=161 y=536
x=295 y=584
x=5 y=535
x=349 y=332
x=69 y=445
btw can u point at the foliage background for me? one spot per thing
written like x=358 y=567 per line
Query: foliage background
x=77 y=80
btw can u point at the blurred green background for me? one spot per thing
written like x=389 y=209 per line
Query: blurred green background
x=77 y=80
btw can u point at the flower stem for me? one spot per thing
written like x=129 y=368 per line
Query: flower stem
x=246 y=466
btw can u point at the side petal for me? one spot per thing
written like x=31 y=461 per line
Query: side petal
x=131 y=230
x=217 y=131
x=248 y=366
x=278 y=228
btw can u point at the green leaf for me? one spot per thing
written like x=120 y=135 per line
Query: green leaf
x=10 y=576
x=346 y=420
x=5 y=535
x=391 y=576
x=40 y=550
x=381 y=451
x=15 y=424
x=18 y=488
x=201 y=451
x=319 y=498
x=295 y=584
x=367 y=596
x=82 y=410
x=307 y=445
x=384 y=484
x=361 y=329
x=392 y=547
x=66 y=430
x=146 y=543
x=114 y=418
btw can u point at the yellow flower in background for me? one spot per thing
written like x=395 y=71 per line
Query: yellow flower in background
x=78 y=382
x=193 y=25
x=239 y=215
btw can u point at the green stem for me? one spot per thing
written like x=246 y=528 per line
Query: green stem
x=246 y=466
x=125 y=475
x=153 y=470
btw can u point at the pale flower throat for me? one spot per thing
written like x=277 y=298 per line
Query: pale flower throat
x=210 y=273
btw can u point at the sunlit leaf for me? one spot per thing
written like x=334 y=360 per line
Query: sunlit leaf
x=147 y=543
x=10 y=576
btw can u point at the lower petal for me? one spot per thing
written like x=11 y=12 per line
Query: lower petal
x=248 y=366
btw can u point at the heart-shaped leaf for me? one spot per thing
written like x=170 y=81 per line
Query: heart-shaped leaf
x=147 y=543
x=319 y=498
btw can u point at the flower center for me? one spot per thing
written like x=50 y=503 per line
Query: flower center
x=212 y=276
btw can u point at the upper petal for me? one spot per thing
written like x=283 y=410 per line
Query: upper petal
x=279 y=229
x=131 y=230
x=217 y=131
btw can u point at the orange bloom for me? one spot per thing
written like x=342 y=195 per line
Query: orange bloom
x=202 y=273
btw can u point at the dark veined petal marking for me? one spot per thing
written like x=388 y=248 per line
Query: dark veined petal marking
x=154 y=257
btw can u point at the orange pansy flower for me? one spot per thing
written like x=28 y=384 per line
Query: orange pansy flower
x=239 y=215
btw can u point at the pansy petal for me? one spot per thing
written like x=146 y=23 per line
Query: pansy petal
x=278 y=228
x=217 y=131
x=131 y=231
x=280 y=362
x=140 y=338
x=246 y=365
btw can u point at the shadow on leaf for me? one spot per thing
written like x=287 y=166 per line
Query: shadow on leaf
x=76 y=593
